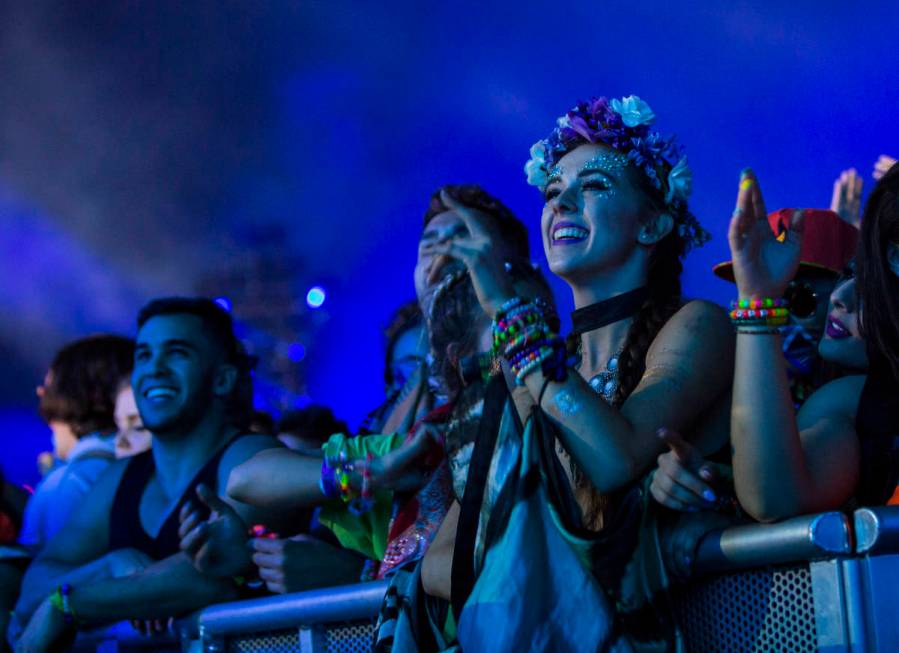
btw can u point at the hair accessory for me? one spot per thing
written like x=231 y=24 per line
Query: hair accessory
x=624 y=125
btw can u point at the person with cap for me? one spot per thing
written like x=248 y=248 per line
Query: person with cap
x=828 y=245
x=686 y=480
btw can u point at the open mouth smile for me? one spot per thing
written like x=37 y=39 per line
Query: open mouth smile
x=567 y=233
x=160 y=393
x=836 y=329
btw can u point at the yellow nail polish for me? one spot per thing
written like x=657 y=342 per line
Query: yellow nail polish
x=746 y=184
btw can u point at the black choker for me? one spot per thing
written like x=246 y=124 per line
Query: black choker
x=608 y=311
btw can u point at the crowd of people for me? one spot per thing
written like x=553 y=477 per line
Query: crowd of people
x=520 y=489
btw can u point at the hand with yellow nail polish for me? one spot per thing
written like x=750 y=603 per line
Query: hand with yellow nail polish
x=763 y=264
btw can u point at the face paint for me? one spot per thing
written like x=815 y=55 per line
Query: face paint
x=566 y=404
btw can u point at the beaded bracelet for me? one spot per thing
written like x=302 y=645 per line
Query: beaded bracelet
x=766 y=313
x=523 y=337
x=765 y=302
x=327 y=482
x=334 y=483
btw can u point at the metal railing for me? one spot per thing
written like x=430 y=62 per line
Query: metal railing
x=336 y=620
x=818 y=583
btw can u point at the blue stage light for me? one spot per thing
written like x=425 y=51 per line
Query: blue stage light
x=315 y=297
x=224 y=302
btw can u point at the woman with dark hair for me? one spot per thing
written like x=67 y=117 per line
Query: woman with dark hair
x=615 y=227
x=840 y=444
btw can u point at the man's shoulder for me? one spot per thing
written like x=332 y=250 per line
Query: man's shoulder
x=247 y=445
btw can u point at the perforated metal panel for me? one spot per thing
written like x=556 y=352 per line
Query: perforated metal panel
x=281 y=641
x=751 y=611
x=343 y=637
x=351 y=637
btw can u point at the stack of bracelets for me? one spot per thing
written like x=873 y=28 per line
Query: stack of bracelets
x=760 y=316
x=522 y=335
x=335 y=483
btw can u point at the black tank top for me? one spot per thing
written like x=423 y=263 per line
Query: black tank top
x=877 y=425
x=125 y=528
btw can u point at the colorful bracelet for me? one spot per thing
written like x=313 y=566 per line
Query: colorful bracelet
x=764 y=302
x=763 y=315
x=335 y=483
x=522 y=335
x=327 y=482
x=61 y=601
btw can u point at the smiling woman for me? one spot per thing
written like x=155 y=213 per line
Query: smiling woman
x=615 y=227
x=840 y=445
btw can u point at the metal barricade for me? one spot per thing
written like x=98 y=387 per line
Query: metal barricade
x=875 y=572
x=332 y=620
x=770 y=587
x=818 y=583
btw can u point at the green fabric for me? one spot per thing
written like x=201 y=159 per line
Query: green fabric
x=365 y=533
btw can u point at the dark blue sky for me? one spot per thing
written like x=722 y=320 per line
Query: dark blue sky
x=142 y=145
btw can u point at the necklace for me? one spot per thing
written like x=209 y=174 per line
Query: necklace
x=613 y=309
x=601 y=314
x=606 y=382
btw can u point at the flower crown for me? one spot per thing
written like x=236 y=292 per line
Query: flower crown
x=624 y=126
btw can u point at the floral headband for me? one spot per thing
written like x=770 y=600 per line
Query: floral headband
x=623 y=125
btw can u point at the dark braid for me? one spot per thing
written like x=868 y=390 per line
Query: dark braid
x=663 y=282
x=664 y=301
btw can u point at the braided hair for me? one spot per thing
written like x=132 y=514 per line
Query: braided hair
x=664 y=300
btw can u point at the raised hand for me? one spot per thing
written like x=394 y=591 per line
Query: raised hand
x=847 y=196
x=763 y=265
x=217 y=545
x=883 y=164
x=479 y=254
x=683 y=480
x=405 y=469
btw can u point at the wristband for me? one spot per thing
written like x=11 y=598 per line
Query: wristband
x=61 y=601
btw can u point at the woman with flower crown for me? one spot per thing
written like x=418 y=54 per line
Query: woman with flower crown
x=615 y=227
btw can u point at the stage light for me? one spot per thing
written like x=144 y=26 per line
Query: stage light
x=224 y=302
x=296 y=352
x=315 y=297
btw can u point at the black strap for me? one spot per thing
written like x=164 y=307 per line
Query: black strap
x=478 y=471
x=608 y=311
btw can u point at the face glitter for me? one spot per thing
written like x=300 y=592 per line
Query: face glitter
x=606 y=162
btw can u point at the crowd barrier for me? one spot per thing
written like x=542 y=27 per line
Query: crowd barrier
x=822 y=583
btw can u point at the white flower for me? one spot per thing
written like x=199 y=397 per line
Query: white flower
x=535 y=168
x=633 y=111
x=680 y=182
x=563 y=122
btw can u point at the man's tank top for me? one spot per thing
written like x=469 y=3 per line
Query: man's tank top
x=125 y=528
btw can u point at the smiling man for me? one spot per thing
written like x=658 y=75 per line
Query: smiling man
x=119 y=557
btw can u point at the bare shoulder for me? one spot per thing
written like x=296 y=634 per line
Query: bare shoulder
x=835 y=400
x=698 y=326
x=243 y=448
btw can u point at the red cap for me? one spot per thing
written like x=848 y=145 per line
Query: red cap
x=828 y=241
